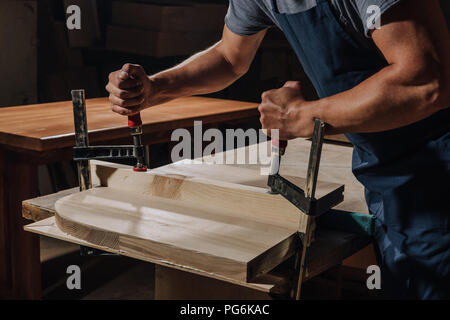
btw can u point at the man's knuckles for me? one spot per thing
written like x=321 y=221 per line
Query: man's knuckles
x=293 y=85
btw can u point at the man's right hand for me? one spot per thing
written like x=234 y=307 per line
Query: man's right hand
x=129 y=90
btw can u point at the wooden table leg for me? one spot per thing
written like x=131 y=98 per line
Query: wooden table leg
x=20 y=273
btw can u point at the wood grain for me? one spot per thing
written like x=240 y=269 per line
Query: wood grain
x=193 y=215
x=181 y=222
x=328 y=249
x=38 y=208
x=264 y=283
x=49 y=126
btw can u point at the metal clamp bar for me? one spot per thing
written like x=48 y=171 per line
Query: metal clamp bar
x=314 y=158
x=81 y=137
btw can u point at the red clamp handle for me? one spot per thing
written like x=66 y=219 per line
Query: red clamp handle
x=282 y=144
x=135 y=121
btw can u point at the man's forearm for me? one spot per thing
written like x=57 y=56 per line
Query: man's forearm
x=416 y=84
x=206 y=72
x=382 y=102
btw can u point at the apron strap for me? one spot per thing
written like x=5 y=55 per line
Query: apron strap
x=274 y=6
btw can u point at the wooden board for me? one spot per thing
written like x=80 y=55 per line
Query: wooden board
x=265 y=283
x=50 y=126
x=328 y=250
x=188 y=218
x=335 y=167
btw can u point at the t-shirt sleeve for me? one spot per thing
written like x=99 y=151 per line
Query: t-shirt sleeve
x=371 y=10
x=246 y=17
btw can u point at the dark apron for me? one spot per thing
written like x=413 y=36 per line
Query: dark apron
x=405 y=172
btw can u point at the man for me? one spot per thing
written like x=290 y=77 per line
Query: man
x=387 y=89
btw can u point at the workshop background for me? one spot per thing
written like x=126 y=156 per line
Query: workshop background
x=41 y=61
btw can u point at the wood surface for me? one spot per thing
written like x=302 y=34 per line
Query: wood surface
x=41 y=134
x=216 y=218
x=218 y=226
x=49 y=126
x=327 y=251
x=48 y=227
x=41 y=208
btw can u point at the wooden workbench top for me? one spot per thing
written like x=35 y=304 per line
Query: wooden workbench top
x=49 y=126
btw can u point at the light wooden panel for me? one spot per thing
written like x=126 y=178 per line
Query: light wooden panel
x=328 y=249
x=219 y=219
x=265 y=283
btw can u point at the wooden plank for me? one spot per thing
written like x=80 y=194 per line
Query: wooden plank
x=192 y=216
x=49 y=126
x=229 y=186
x=335 y=167
x=43 y=207
x=179 y=227
x=264 y=283
x=325 y=251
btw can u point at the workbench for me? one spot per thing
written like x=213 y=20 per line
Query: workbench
x=330 y=248
x=41 y=134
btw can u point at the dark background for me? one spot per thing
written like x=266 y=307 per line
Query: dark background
x=53 y=60
x=41 y=61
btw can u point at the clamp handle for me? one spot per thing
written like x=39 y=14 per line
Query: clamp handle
x=135 y=121
x=280 y=144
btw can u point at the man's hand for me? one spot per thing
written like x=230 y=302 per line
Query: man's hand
x=129 y=90
x=286 y=109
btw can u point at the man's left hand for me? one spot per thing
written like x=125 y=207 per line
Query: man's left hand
x=286 y=109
